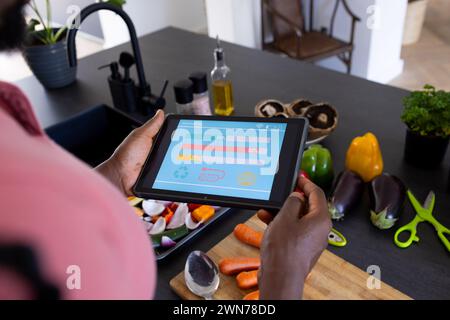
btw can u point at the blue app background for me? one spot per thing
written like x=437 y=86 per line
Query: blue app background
x=233 y=180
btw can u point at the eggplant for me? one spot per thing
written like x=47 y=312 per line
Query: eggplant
x=387 y=196
x=346 y=194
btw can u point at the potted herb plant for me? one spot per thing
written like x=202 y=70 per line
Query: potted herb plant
x=45 y=48
x=427 y=116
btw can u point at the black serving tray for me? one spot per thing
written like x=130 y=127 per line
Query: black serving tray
x=162 y=254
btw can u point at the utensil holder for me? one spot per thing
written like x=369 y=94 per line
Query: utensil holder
x=124 y=95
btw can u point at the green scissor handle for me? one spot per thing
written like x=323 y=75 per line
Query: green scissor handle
x=442 y=231
x=424 y=213
x=412 y=229
x=337 y=239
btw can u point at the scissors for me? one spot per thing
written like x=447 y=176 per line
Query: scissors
x=424 y=213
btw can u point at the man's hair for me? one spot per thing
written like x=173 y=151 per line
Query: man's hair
x=13 y=26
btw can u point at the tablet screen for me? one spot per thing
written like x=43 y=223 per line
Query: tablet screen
x=224 y=158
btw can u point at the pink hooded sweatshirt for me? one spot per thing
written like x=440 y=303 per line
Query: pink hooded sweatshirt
x=88 y=241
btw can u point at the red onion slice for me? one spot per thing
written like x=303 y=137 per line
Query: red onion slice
x=166 y=242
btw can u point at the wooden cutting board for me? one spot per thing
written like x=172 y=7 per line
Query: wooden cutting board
x=331 y=278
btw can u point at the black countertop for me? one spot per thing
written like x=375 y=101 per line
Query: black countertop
x=421 y=271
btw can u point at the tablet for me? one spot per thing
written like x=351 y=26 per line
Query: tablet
x=239 y=162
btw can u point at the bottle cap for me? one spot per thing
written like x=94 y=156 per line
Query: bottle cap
x=184 y=91
x=218 y=52
x=200 y=82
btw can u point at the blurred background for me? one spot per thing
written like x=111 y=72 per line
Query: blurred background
x=402 y=43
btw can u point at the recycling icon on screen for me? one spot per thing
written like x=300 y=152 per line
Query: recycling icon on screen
x=181 y=173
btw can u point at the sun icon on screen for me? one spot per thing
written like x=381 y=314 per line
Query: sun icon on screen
x=246 y=179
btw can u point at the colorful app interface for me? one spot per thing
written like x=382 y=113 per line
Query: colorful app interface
x=224 y=158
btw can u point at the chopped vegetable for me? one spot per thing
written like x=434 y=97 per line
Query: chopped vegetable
x=173 y=206
x=247 y=279
x=247 y=235
x=193 y=206
x=203 y=213
x=166 y=242
x=346 y=194
x=175 y=235
x=134 y=201
x=164 y=203
x=152 y=208
x=387 y=196
x=318 y=164
x=168 y=215
x=190 y=223
x=158 y=227
x=233 y=266
x=179 y=217
x=139 y=212
x=364 y=157
x=252 y=296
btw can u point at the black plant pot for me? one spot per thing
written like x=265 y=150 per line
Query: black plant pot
x=50 y=64
x=425 y=151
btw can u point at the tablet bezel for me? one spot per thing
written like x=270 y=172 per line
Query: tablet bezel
x=293 y=164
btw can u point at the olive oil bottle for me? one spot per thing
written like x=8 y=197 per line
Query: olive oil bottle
x=221 y=84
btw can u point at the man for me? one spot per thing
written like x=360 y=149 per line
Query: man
x=66 y=231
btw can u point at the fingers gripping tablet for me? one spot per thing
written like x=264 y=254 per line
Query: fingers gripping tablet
x=236 y=162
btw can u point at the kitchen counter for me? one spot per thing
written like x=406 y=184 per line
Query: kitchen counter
x=421 y=271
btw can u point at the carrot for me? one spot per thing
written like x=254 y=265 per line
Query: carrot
x=232 y=266
x=247 y=235
x=252 y=296
x=247 y=279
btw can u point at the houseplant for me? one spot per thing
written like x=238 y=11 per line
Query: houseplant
x=45 y=48
x=427 y=116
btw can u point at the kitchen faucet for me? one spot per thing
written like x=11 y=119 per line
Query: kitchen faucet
x=145 y=98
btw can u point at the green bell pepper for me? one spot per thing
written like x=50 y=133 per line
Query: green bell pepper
x=318 y=164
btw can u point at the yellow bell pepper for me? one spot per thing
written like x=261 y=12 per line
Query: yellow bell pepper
x=364 y=157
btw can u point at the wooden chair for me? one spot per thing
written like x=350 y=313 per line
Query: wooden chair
x=292 y=37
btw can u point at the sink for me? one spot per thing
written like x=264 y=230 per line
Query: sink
x=92 y=136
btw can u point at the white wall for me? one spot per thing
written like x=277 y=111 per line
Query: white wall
x=59 y=14
x=377 y=51
x=386 y=45
x=377 y=48
x=235 y=21
x=323 y=12
x=151 y=15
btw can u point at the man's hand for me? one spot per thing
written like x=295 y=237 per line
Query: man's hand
x=124 y=166
x=293 y=242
